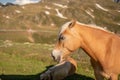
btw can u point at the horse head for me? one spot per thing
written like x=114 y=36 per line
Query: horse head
x=68 y=41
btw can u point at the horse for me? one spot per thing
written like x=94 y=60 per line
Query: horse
x=60 y=71
x=102 y=46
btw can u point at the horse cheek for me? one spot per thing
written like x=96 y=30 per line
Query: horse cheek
x=75 y=44
x=70 y=45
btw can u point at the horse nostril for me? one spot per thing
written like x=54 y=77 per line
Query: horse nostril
x=52 y=56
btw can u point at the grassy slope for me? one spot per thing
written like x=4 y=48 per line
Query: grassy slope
x=24 y=61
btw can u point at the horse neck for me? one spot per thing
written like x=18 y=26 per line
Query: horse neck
x=93 y=42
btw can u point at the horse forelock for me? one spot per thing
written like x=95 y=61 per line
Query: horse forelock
x=64 y=27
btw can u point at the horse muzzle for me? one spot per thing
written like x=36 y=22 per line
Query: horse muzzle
x=56 y=55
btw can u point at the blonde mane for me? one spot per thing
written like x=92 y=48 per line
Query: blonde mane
x=66 y=25
x=93 y=26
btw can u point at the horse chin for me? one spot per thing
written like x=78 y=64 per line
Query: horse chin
x=57 y=59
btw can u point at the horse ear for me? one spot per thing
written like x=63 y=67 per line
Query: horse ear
x=72 y=23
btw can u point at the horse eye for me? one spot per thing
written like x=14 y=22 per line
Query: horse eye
x=61 y=38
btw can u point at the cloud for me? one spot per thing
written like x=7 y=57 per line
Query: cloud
x=22 y=2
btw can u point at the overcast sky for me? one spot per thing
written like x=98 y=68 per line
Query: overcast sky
x=21 y=2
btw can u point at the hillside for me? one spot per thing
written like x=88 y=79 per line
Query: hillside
x=28 y=21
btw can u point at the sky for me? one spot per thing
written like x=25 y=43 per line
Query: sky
x=21 y=2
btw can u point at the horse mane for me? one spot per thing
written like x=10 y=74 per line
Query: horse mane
x=94 y=26
x=66 y=25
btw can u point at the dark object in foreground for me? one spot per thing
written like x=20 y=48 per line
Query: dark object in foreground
x=116 y=1
x=60 y=71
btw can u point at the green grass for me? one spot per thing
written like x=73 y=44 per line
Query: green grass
x=26 y=61
x=24 y=55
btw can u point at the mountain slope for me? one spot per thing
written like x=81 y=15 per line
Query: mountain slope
x=53 y=13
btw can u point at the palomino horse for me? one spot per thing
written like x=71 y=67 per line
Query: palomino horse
x=102 y=46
